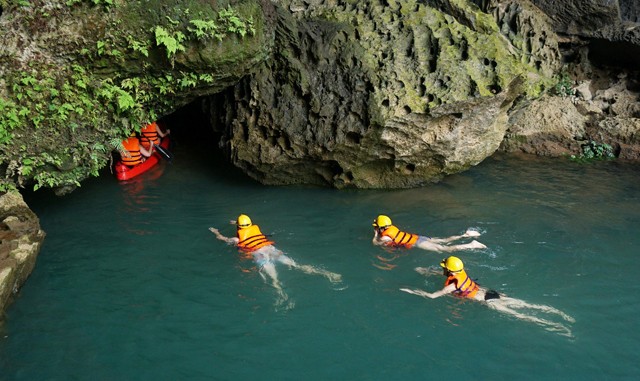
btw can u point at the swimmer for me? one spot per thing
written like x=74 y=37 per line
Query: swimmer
x=249 y=239
x=385 y=234
x=461 y=285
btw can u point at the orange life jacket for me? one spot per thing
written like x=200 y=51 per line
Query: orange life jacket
x=251 y=239
x=400 y=238
x=132 y=145
x=149 y=133
x=465 y=286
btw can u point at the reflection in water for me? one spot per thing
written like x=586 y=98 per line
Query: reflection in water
x=137 y=202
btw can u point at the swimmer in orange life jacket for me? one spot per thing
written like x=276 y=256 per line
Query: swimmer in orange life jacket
x=134 y=153
x=250 y=239
x=459 y=284
x=385 y=234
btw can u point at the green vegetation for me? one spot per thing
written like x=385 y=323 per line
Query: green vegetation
x=594 y=151
x=172 y=36
x=564 y=86
x=60 y=124
x=94 y=2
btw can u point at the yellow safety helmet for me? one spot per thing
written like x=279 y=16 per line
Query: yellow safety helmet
x=243 y=221
x=453 y=264
x=382 y=221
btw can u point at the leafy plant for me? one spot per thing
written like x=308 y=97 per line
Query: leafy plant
x=172 y=42
x=594 y=151
x=203 y=29
x=232 y=22
x=137 y=46
x=564 y=87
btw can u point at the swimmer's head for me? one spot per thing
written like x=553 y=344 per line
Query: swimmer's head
x=452 y=264
x=243 y=221
x=382 y=222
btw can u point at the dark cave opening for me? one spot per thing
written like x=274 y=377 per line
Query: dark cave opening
x=197 y=132
x=190 y=126
x=193 y=131
x=621 y=55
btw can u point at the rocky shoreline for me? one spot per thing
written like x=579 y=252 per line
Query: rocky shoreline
x=20 y=240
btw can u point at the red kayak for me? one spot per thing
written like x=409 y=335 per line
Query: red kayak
x=124 y=172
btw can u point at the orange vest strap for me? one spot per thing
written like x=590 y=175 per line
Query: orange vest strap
x=251 y=238
x=400 y=238
x=132 y=145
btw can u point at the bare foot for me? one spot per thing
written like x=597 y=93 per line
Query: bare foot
x=477 y=245
x=472 y=233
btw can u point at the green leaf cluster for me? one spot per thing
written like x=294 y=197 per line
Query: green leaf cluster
x=564 y=86
x=594 y=151
x=173 y=36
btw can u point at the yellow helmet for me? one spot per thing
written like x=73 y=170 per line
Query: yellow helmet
x=382 y=221
x=453 y=264
x=243 y=221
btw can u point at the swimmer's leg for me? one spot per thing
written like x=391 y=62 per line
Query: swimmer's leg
x=432 y=246
x=499 y=305
x=467 y=234
x=517 y=303
x=307 y=269
x=269 y=269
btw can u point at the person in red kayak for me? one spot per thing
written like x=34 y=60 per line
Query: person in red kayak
x=386 y=234
x=134 y=153
x=250 y=240
x=152 y=133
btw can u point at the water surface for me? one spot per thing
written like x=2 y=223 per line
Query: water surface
x=130 y=284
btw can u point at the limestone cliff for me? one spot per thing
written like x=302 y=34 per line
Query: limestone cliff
x=597 y=100
x=385 y=94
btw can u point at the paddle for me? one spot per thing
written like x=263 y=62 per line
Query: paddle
x=164 y=153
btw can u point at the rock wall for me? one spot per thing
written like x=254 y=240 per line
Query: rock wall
x=387 y=94
x=598 y=101
x=401 y=93
x=20 y=241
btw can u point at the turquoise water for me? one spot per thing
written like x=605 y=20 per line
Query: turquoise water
x=130 y=284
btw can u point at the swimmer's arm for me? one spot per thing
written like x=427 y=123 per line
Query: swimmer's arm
x=380 y=240
x=229 y=240
x=426 y=271
x=432 y=295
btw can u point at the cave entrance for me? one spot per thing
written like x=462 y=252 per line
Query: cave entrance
x=621 y=55
x=194 y=135
x=190 y=126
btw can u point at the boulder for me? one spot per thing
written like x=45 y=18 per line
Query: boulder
x=20 y=242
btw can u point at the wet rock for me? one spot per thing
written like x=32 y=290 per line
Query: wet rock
x=20 y=242
x=377 y=95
